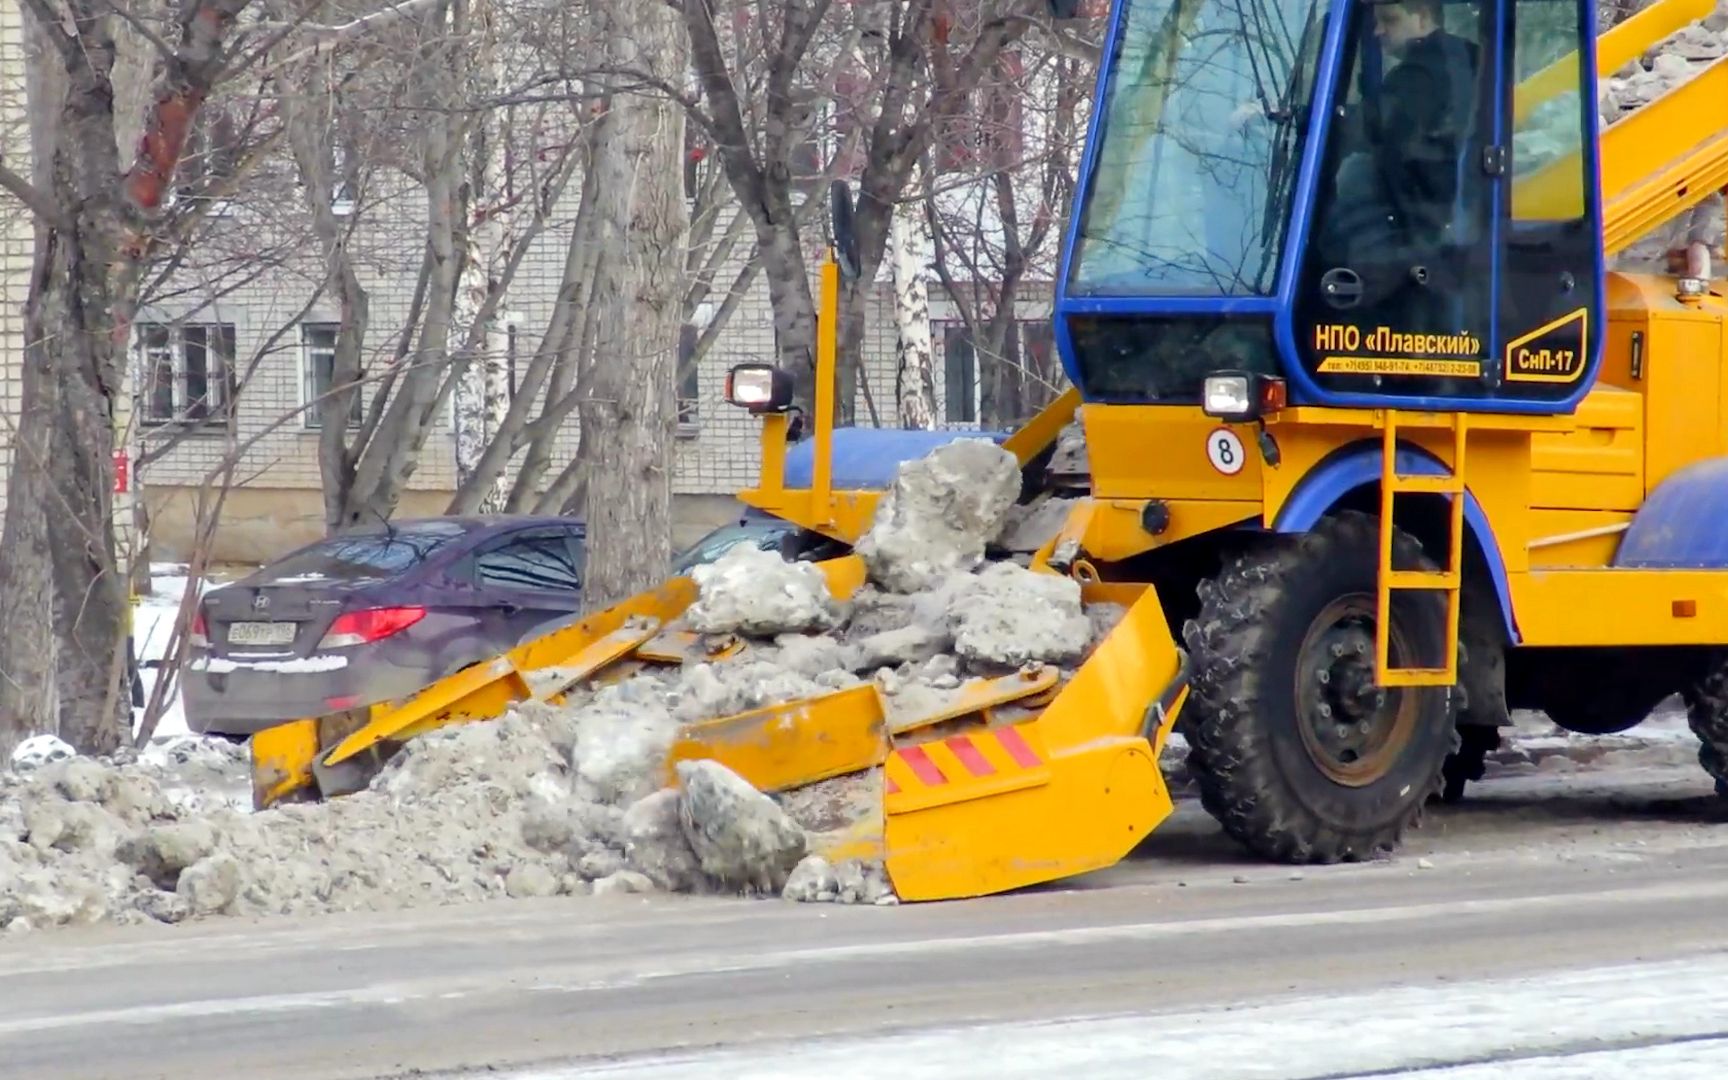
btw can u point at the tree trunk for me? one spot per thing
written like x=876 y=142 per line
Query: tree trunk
x=392 y=452
x=29 y=654
x=482 y=392
x=76 y=318
x=794 y=307
x=915 y=380
x=629 y=415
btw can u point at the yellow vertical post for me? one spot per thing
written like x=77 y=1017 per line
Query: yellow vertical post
x=827 y=346
x=1455 y=558
x=771 y=479
x=1383 y=580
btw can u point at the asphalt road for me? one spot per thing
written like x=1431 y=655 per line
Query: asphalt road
x=1626 y=867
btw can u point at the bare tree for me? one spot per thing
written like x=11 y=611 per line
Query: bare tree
x=423 y=112
x=99 y=179
x=128 y=205
x=872 y=78
x=997 y=219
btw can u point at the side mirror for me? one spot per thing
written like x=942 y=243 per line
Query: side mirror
x=845 y=235
x=761 y=388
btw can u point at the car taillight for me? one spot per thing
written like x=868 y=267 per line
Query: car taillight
x=200 y=633
x=363 y=627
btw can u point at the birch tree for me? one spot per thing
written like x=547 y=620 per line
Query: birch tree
x=913 y=258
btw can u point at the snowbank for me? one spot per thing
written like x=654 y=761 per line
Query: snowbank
x=575 y=799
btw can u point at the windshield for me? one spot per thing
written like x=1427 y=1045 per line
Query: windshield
x=721 y=540
x=1201 y=136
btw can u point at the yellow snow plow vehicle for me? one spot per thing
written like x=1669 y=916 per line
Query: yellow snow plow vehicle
x=1370 y=429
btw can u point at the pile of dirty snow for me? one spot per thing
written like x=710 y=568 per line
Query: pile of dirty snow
x=577 y=798
x=1672 y=61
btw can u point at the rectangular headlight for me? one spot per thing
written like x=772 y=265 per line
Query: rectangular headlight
x=1228 y=396
x=758 y=387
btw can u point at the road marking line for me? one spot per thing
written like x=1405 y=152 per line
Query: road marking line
x=613 y=976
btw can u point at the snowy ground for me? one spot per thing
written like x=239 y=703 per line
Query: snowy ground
x=152 y=626
x=1659 y=1021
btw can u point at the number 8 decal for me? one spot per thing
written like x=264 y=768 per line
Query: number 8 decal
x=1225 y=451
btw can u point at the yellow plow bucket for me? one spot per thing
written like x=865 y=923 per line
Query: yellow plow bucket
x=1009 y=781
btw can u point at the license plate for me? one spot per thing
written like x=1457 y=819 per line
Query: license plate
x=261 y=633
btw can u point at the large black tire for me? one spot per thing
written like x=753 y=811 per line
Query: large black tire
x=1298 y=766
x=1707 y=714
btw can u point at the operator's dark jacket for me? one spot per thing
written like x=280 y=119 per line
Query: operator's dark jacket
x=1398 y=187
x=1425 y=114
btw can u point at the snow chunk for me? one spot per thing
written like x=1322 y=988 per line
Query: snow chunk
x=211 y=885
x=40 y=750
x=658 y=847
x=1010 y=616
x=759 y=594
x=939 y=514
x=911 y=644
x=742 y=838
x=714 y=690
x=812 y=882
x=1031 y=526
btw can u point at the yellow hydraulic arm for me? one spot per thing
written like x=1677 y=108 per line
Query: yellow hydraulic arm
x=1657 y=163
x=1665 y=158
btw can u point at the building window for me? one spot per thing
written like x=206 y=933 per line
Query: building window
x=318 y=371
x=344 y=179
x=689 y=382
x=209 y=161
x=188 y=372
x=512 y=334
x=1038 y=355
x=1030 y=351
x=959 y=373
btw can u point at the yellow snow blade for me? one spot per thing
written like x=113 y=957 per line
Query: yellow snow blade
x=282 y=761
x=791 y=744
x=1003 y=782
x=1001 y=807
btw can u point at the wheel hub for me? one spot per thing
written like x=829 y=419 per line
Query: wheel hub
x=1352 y=729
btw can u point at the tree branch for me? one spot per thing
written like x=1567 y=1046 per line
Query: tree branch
x=28 y=194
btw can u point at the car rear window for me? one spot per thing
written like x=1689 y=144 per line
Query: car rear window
x=351 y=558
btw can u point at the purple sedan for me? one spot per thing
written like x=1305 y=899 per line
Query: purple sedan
x=374 y=615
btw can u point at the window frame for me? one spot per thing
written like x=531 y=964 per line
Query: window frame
x=149 y=356
x=311 y=414
x=950 y=330
x=688 y=384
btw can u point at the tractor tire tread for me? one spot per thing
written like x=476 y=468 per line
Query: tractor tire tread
x=1228 y=756
x=1707 y=715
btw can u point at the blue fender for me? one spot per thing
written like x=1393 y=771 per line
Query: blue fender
x=1357 y=466
x=1680 y=525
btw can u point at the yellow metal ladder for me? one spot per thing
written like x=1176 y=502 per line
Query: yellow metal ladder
x=1450 y=580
